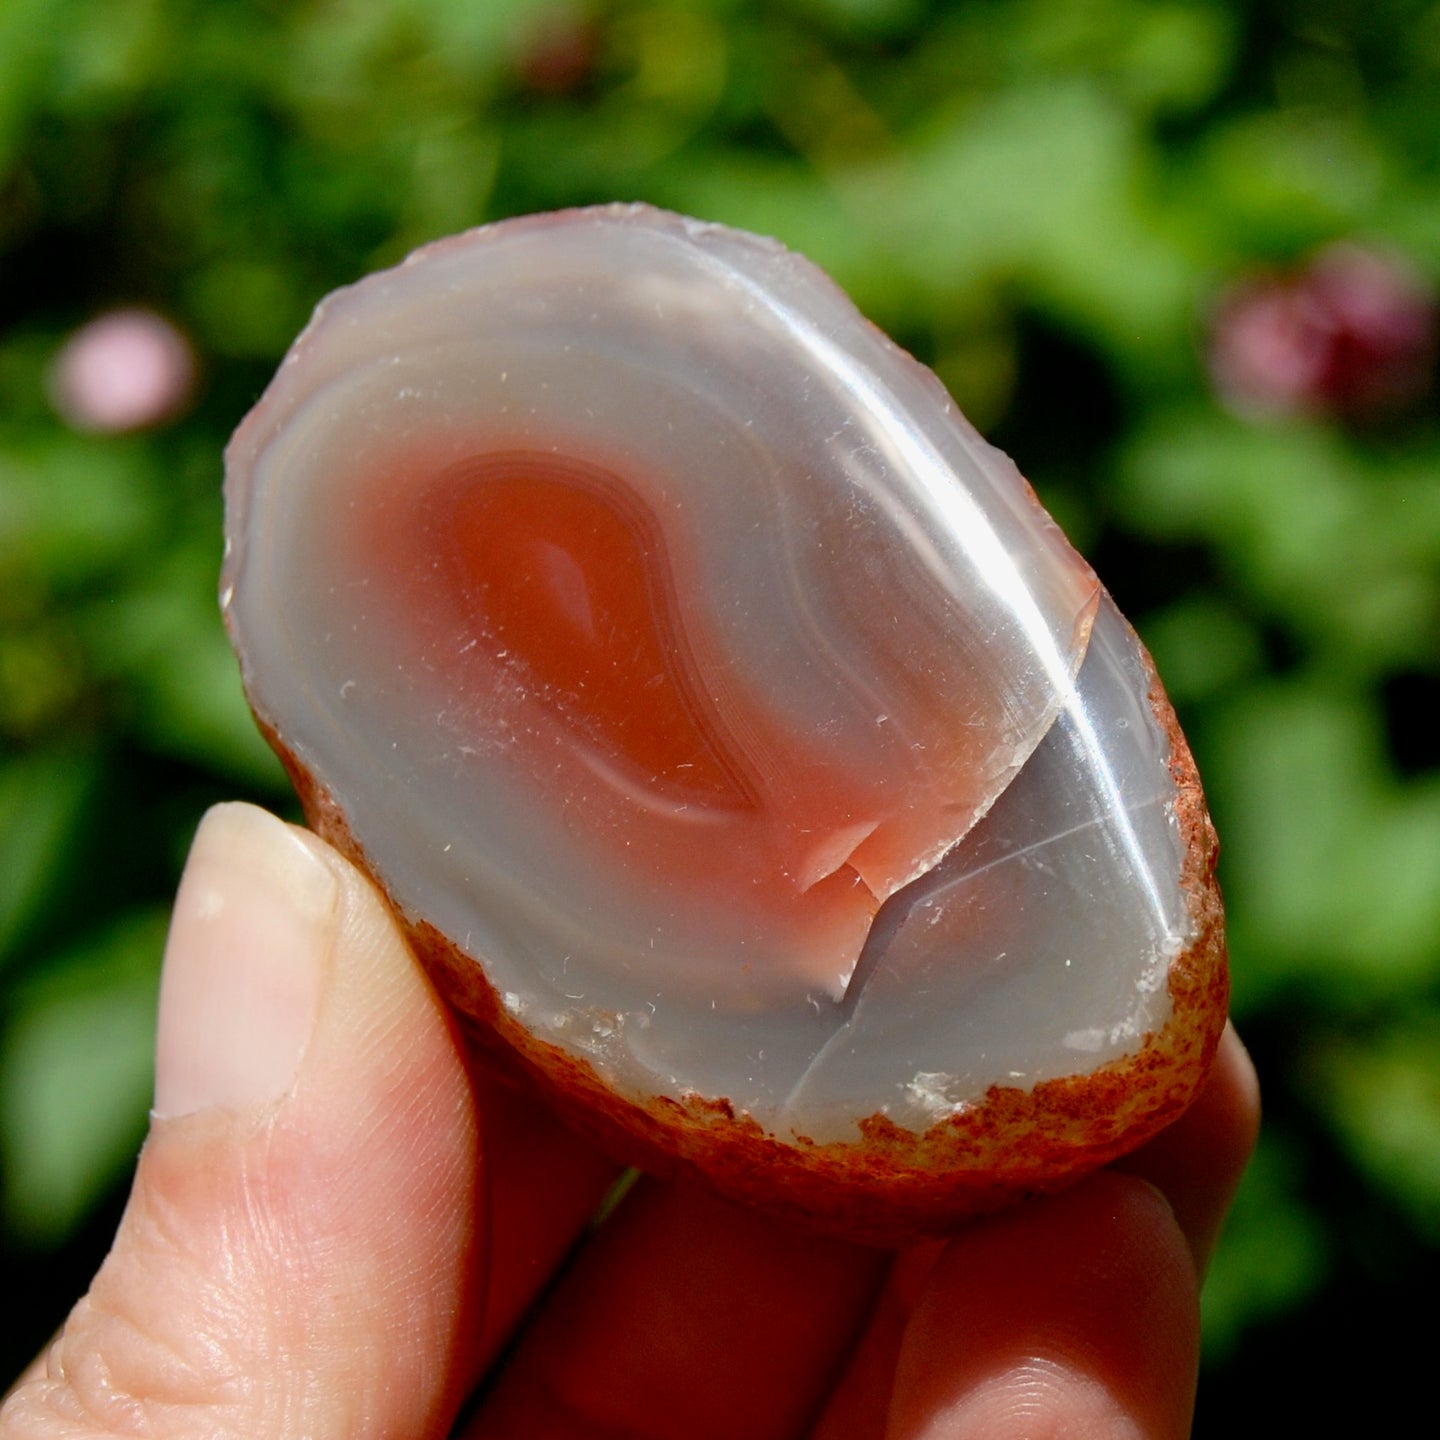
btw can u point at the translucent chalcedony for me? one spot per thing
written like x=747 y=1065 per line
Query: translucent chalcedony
x=672 y=646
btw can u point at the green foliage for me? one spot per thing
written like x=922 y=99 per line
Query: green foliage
x=1383 y=1090
x=75 y=1076
x=1275 y=1254
x=41 y=807
x=1046 y=199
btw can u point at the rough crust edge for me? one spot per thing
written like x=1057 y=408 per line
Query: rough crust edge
x=895 y=1185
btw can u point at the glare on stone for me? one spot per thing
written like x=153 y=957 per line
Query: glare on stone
x=749 y=756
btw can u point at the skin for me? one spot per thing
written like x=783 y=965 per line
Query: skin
x=339 y=1221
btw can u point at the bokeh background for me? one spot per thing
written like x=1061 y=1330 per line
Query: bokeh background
x=1178 y=258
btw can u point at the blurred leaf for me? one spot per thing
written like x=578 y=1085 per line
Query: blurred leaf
x=386 y=97
x=29 y=30
x=42 y=668
x=1272 y=1255
x=75 y=1076
x=1281 y=180
x=246 y=307
x=1330 y=863
x=1155 y=55
x=164 y=641
x=111 y=47
x=453 y=168
x=665 y=70
x=860 y=17
x=1345 y=550
x=72 y=508
x=1383 y=1095
x=24 y=359
x=42 y=803
x=1044 y=186
x=1201 y=646
x=361 y=34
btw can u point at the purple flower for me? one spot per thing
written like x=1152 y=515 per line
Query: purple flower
x=1351 y=333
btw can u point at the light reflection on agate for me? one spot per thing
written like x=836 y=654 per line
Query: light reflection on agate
x=1001 y=963
x=840 y=629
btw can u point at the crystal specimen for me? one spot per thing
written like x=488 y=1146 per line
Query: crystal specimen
x=740 y=741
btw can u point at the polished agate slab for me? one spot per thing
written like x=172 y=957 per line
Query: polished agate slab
x=665 y=642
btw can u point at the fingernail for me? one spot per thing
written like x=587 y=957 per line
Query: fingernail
x=245 y=964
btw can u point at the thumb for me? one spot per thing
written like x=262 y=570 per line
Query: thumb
x=300 y=1252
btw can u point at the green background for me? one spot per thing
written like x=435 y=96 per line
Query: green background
x=1043 y=200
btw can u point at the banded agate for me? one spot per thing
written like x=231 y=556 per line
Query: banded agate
x=739 y=740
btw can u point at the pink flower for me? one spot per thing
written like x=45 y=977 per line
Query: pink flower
x=1351 y=333
x=125 y=370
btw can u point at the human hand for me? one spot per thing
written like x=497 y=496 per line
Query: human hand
x=338 y=1222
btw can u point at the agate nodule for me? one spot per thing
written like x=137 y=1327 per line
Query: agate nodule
x=742 y=745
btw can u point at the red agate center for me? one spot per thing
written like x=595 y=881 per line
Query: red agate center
x=541 y=597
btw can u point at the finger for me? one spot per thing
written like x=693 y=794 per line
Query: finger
x=545 y=1186
x=299 y=1253
x=1075 y=1315
x=857 y=1407
x=1199 y=1160
x=686 y=1317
